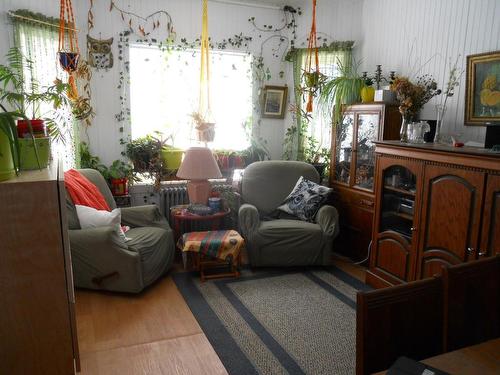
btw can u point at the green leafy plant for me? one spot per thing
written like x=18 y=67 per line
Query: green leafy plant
x=119 y=169
x=342 y=90
x=145 y=155
x=24 y=96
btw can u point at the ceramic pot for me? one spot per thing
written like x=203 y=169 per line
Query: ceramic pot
x=119 y=186
x=7 y=170
x=172 y=158
x=367 y=94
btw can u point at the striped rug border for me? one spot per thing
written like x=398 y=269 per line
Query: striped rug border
x=234 y=360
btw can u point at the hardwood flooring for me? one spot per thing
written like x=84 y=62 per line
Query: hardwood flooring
x=151 y=333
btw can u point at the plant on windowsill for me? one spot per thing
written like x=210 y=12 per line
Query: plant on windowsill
x=9 y=146
x=26 y=96
x=145 y=155
x=120 y=174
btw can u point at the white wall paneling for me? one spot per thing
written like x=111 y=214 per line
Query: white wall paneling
x=399 y=34
x=403 y=35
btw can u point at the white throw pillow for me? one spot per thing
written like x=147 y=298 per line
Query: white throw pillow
x=91 y=218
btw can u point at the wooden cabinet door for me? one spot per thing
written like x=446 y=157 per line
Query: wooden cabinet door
x=490 y=235
x=450 y=218
x=395 y=232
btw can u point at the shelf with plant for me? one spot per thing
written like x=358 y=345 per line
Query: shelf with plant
x=25 y=98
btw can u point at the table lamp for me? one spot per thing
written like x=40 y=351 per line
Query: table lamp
x=198 y=166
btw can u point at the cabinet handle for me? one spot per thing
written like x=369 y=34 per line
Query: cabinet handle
x=470 y=250
x=413 y=229
x=482 y=253
x=365 y=202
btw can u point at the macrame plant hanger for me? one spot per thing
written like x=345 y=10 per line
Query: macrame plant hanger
x=206 y=126
x=68 y=52
x=312 y=75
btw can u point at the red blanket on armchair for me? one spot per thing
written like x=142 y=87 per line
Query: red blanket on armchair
x=84 y=192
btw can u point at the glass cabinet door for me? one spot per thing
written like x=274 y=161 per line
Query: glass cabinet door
x=398 y=201
x=343 y=149
x=367 y=132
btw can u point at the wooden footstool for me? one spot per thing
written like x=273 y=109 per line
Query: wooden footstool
x=215 y=251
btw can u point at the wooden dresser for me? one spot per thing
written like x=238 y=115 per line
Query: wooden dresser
x=37 y=322
x=353 y=170
x=435 y=206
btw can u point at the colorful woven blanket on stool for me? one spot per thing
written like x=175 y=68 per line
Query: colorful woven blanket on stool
x=217 y=244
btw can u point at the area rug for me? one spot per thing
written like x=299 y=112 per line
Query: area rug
x=277 y=322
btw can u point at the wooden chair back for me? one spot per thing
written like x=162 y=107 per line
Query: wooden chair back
x=471 y=303
x=400 y=320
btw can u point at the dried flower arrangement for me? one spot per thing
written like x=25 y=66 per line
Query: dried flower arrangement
x=412 y=96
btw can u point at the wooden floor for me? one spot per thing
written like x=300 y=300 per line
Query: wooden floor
x=152 y=333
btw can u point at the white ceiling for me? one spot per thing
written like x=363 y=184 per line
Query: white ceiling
x=265 y=3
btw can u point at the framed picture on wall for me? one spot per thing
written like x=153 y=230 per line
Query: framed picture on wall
x=274 y=103
x=482 y=92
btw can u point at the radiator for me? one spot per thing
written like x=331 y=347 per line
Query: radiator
x=171 y=196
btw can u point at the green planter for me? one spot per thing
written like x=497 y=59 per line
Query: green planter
x=6 y=164
x=172 y=158
x=28 y=154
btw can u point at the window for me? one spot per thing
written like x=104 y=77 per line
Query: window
x=38 y=42
x=320 y=125
x=164 y=91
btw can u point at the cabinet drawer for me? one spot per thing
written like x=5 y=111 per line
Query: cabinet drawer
x=354 y=198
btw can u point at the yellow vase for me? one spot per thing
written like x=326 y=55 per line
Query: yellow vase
x=367 y=94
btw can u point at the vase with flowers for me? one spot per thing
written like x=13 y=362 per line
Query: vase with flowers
x=411 y=98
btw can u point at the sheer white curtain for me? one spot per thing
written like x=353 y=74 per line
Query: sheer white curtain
x=39 y=44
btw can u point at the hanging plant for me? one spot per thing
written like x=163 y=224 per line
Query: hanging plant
x=68 y=51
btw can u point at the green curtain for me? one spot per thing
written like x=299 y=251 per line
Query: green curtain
x=37 y=36
x=328 y=60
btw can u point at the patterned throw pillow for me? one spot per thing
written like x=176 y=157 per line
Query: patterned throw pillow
x=305 y=199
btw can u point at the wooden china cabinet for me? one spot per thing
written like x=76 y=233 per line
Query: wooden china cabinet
x=435 y=206
x=353 y=170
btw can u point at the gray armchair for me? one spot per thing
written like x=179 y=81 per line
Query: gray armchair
x=283 y=241
x=103 y=260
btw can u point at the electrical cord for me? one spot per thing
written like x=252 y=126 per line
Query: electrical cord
x=367 y=256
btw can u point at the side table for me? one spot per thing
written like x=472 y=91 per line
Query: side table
x=183 y=221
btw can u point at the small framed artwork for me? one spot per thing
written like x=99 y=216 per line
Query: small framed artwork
x=482 y=92
x=274 y=103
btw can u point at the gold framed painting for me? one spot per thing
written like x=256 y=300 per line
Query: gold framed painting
x=274 y=103
x=482 y=91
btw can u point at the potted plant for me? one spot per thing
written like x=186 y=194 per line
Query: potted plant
x=119 y=175
x=368 y=91
x=26 y=96
x=342 y=90
x=9 y=146
x=204 y=126
x=170 y=155
x=145 y=155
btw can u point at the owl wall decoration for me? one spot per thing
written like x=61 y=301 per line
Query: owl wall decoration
x=99 y=52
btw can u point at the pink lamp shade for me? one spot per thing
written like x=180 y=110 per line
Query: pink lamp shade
x=198 y=166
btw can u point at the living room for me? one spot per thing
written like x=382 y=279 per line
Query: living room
x=250 y=186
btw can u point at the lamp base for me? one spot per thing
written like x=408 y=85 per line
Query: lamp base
x=198 y=191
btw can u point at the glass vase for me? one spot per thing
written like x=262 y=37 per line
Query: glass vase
x=440 y=112
x=403 y=134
